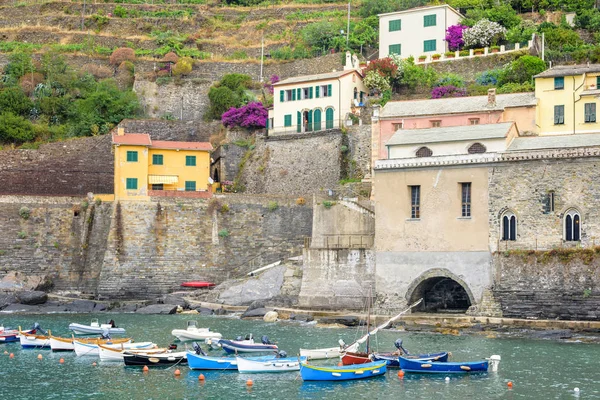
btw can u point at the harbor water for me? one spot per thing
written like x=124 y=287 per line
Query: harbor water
x=538 y=369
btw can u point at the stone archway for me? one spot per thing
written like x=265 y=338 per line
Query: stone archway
x=441 y=291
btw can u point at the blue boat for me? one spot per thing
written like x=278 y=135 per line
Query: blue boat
x=393 y=362
x=311 y=372
x=247 y=345
x=433 y=367
x=199 y=361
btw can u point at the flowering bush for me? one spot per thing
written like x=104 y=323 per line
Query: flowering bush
x=483 y=33
x=447 y=91
x=374 y=81
x=252 y=115
x=386 y=67
x=269 y=84
x=489 y=77
x=454 y=36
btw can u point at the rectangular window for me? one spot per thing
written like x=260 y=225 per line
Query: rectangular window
x=305 y=93
x=466 y=199
x=158 y=186
x=436 y=123
x=415 y=202
x=559 y=83
x=429 y=45
x=131 y=183
x=474 y=121
x=287 y=120
x=395 y=49
x=398 y=126
x=132 y=156
x=157 y=159
x=598 y=82
x=559 y=115
x=429 y=20
x=190 y=186
x=282 y=96
x=190 y=161
x=395 y=25
x=288 y=95
x=590 y=112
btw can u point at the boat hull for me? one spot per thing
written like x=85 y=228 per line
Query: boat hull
x=83 y=349
x=343 y=373
x=116 y=355
x=197 y=361
x=155 y=360
x=232 y=347
x=433 y=367
x=392 y=359
x=195 y=334
x=322 y=354
x=80 y=329
x=355 y=358
x=34 y=342
x=246 y=365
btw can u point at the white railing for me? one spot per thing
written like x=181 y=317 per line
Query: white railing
x=486 y=51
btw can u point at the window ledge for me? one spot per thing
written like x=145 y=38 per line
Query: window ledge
x=464 y=218
x=413 y=219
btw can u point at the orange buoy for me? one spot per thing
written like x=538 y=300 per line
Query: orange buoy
x=11 y=355
x=94 y=364
x=249 y=382
x=61 y=361
x=40 y=357
x=400 y=374
x=5 y=352
x=145 y=369
x=177 y=372
x=340 y=364
x=201 y=377
x=509 y=384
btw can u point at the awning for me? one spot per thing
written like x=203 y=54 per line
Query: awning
x=164 y=179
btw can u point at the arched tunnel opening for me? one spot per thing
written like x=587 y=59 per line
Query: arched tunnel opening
x=441 y=294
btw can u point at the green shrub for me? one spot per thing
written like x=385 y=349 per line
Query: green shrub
x=515 y=88
x=223 y=233
x=22 y=235
x=523 y=69
x=272 y=206
x=15 y=129
x=327 y=204
x=120 y=12
x=24 y=212
x=224 y=208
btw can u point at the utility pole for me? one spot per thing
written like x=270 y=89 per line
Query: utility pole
x=348 y=30
x=262 y=56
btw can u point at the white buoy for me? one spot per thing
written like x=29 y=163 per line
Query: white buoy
x=576 y=390
x=447 y=379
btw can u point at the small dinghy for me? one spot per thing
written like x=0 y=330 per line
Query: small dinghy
x=12 y=335
x=330 y=352
x=192 y=332
x=281 y=363
x=342 y=373
x=66 y=344
x=95 y=328
x=107 y=353
x=433 y=367
x=151 y=360
x=247 y=345
x=392 y=358
x=91 y=349
x=198 y=359
x=37 y=340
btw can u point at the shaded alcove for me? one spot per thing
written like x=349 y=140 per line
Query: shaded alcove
x=441 y=294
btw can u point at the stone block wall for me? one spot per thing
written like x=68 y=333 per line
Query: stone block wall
x=523 y=187
x=359 y=138
x=544 y=286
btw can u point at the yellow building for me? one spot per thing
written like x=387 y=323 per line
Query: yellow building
x=146 y=167
x=568 y=97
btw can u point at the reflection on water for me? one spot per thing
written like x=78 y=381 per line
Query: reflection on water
x=539 y=369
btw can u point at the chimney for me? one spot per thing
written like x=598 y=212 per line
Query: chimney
x=120 y=131
x=492 y=97
x=348 y=65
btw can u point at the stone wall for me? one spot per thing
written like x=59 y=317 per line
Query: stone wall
x=160 y=129
x=359 y=140
x=547 y=286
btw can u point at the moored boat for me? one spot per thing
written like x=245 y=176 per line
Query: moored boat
x=162 y=359
x=107 y=353
x=192 y=332
x=311 y=372
x=204 y=362
x=392 y=359
x=329 y=352
x=84 y=348
x=95 y=328
x=434 y=367
x=66 y=344
x=12 y=335
x=29 y=341
x=283 y=364
x=247 y=345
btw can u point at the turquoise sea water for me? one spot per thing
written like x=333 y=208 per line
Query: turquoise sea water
x=539 y=369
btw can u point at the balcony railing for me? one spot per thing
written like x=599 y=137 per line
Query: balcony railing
x=203 y=194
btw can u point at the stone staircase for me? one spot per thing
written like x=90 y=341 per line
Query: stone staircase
x=489 y=306
x=356 y=206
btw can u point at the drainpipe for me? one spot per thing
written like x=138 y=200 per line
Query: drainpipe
x=575 y=89
x=340 y=101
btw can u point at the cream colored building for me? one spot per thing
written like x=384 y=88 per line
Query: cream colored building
x=568 y=99
x=415 y=32
x=317 y=102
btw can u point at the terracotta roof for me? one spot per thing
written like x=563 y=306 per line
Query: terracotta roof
x=133 y=139
x=569 y=70
x=165 y=144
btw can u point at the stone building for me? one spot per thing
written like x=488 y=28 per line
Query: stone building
x=447 y=206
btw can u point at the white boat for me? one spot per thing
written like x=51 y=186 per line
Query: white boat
x=91 y=349
x=329 y=352
x=66 y=344
x=107 y=353
x=34 y=341
x=246 y=365
x=95 y=328
x=192 y=332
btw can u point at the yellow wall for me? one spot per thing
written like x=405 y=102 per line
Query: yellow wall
x=125 y=169
x=441 y=227
x=174 y=164
x=573 y=101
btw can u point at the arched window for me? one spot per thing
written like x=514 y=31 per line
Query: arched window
x=572 y=226
x=355 y=93
x=329 y=118
x=509 y=226
x=476 y=148
x=317 y=119
x=424 y=152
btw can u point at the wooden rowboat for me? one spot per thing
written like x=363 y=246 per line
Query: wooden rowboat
x=245 y=365
x=342 y=373
x=115 y=353
x=434 y=367
x=163 y=359
x=66 y=344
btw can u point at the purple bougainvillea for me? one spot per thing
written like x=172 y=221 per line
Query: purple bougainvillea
x=454 y=36
x=447 y=91
x=269 y=84
x=252 y=115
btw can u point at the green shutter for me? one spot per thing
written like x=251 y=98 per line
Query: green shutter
x=429 y=20
x=293 y=94
x=287 y=120
x=328 y=90
x=316 y=92
x=157 y=159
x=310 y=92
x=395 y=25
x=282 y=96
x=309 y=127
x=299 y=119
x=317 y=119
x=429 y=45
x=329 y=118
x=597 y=82
x=395 y=49
x=190 y=186
x=190 y=161
x=132 y=156
x=559 y=83
x=131 y=184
